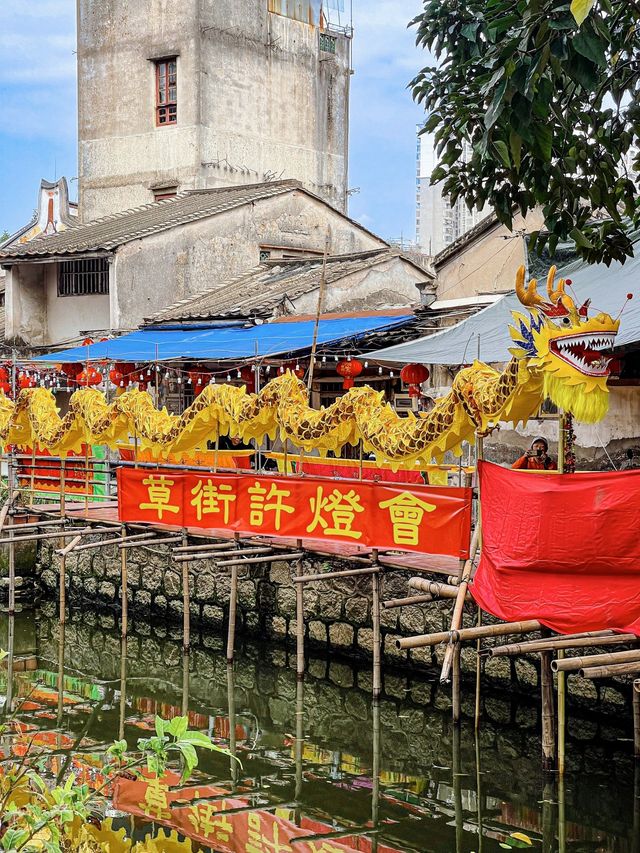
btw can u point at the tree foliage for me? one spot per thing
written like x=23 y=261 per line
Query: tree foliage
x=549 y=108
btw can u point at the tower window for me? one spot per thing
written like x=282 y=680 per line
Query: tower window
x=166 y=91
x=83 y=278
x=328 y=43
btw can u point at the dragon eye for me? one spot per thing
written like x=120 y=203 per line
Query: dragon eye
x=566 y=321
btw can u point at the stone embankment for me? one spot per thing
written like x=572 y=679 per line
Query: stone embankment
x=337 y=613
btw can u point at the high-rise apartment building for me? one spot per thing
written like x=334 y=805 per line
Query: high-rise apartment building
x=438 y=223
x=210 y=93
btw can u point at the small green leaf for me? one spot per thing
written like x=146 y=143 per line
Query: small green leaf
x=503 y=152
x=515 y=144
x=177 y=727
x=160 y=726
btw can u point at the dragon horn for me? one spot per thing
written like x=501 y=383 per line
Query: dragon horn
x=558 y=295
x=527 y=295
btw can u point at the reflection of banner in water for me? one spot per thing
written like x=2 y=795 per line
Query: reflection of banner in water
x=168 y=712
x=525 y=818
x=252 y=831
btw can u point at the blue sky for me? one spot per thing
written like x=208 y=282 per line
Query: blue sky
x=38 y=126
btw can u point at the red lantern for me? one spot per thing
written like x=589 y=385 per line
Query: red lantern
x=4 y=374
x=248 y=376
x=26 y=381
x=5 y=387
x=414 y=375
x=71 y=371
x=116 y=377
x=349 y=369
x=87 y=342
x=89 y=376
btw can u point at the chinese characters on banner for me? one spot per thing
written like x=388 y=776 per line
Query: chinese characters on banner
x=432 y=520
x=251 y=831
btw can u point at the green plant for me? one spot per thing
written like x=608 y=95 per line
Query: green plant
x=549 y=107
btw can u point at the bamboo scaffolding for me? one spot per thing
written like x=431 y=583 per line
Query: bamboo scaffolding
x=62 y=534
x=547 y=711
x=233 y=606
x=594 y=638
x=562 y=715
x=33 y=525
x=229 y=545
x=455 y=684
x=611 y=670
x=187 y=556
x=468 y=634
x=299 y=623
x=573 y=664
x=167 y=540
x=375 y=616
x=186 y=603
x=138 y=538
x=456 y=618
x=273 y=558
x=325 y=576
x=406 y=602
x=436 y=589
x=124 y=583
x=636 y=721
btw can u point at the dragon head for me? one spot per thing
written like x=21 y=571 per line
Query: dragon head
x=565 y=346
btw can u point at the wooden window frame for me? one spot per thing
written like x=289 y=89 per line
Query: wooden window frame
x=166 y=108
x=83 y=277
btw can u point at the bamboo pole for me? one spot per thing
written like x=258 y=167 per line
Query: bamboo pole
x=299 y=746
x=573 y=664
x=139 y=538
x=611 y=670
x=168 y=540
x=233 y=749
x=456 y=619
x=636 y=718
x=435 y=588
x=327 y=576
x=299 y=626
x=476 y=717
x=185 y=683
x=548 y=712
x=375 y=615
x=233 y=603
x=186 y=603
x=562 y=716
x=32 y=525
x=124 y=583
x=456 y=784
x=455 y=684
x=215 y=555
x=213 y=546
x=62 y=534
x=596 y=638
x=273 y=558
x=406 y=602
x=123 y=686
x=467 y=634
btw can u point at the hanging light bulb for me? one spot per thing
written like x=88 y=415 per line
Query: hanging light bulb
x=238 y=375
x=141 y=378
x=166 y=375
x=324 y=359
x=391 y=373
x=380 y=371
x=148 y=372
x=189 y=381
x=179 y=380
x=335 y=358
x=298 y=365
x=366 y=364
x=268 y=368
x=228 y=377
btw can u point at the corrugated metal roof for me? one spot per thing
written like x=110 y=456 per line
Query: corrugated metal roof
x=112 y=231
x=259 y=292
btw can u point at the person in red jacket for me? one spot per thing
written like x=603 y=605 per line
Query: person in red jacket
x=537 y=458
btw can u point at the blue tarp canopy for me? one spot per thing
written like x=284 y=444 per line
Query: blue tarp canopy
x=485 y=335
x=229 y=341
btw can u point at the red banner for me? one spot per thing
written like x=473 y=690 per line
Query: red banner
x=209 y=822
x=560 y=548
x=427 y=519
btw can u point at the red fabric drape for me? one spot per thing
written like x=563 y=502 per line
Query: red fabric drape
x=563 y=549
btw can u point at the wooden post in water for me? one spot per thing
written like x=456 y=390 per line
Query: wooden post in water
x=562 y=714
x=548 y=715
x=456 y=783
x=299 y=744
x=186 y=602
x=231 y=700
x=123 y=686
x=185 y=684
x=124 y=585
x=455 y=683
x=375 y=616
x=636 y=718
x=299 y=619
x=233 y=605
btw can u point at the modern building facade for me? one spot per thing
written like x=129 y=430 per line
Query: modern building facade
x=438 y=224
x=198 y=95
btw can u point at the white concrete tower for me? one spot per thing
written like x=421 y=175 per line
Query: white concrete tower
x=210 y=93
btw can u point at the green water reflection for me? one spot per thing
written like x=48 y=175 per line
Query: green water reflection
x=399 y=774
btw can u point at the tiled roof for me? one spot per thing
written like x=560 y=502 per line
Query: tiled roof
x=112 y=231
x=260 y=291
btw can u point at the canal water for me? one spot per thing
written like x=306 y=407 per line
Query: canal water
x=398 y=777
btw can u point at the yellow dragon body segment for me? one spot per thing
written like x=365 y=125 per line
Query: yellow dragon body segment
x=557 y=353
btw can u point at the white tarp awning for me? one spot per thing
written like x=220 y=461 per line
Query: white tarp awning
x=485 y=335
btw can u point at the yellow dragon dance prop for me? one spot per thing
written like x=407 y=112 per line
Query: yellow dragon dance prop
x=557 y=353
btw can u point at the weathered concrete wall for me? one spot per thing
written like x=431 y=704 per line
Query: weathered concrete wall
x=164 y=268
x=25 y=307
x=489 y=263
x=337 y=615
x=257 y=99
x=66 y=316
x=394 y=284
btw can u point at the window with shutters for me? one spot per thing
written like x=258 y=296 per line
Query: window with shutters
x=86 y=277
x=167 y=91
